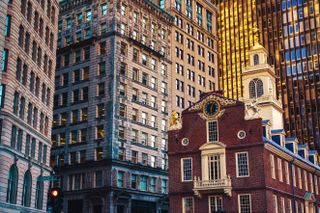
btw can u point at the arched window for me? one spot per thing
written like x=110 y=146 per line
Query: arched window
x=12 y=185
x=39 y=195
x=26 y=190
x=256 y=59
x=256 y=88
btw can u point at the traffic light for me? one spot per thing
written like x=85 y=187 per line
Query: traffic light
x=55 y=200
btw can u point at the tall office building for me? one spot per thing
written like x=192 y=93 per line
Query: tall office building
x=111 y=105
x=28 y=49
x=194 y=50
x=289 y=32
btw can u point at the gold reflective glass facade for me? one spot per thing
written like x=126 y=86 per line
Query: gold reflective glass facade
x=289 y=30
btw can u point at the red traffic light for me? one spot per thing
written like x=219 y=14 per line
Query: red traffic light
x=54 y=193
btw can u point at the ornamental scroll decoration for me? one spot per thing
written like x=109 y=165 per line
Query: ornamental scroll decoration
x=222 y=102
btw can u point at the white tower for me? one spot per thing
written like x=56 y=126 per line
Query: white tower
x=259 y=92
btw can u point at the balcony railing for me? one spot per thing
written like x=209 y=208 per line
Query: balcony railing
x=209 y=186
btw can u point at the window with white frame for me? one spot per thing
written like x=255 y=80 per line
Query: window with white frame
x=316 y=185
x=273 y=169
x=244 y=203
x=280 y=175
x=212 y=131
x=311 y=182
x=283 y=205
x=299 y=178
x=187 y=205
x=186 y=167
x=286 y=166
x=275 y=203
x=294 y=175
x=242 y=160
x=305 y=180
x=215 y=204
x=289 y=205
x=214 y=168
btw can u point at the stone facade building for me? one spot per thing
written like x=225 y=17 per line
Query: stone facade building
x=233 y=156
x=194 y=50
x=28 y=46
x=111 y=105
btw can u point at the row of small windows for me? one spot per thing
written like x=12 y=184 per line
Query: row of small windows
x=19 y=107
x=38 y=23
x=215 y=204
x=46 y=5
x=80 y=136
x=122 y=180
x=41 y=59
x=301 y=178
x=133 y=156
x=199 y=13
x=19 y=138
x=27 y=191
x=34 y=82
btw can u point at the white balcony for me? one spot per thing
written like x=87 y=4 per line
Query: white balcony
x=219 y=186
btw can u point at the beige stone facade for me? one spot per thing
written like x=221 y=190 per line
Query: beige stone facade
x=27 y=87
x=194 y=51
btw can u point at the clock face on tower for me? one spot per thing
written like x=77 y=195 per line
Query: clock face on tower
x=211 y=108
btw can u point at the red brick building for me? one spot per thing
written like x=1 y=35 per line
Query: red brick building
x=227 y=157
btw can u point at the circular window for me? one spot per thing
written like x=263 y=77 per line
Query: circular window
x=185 y=142
x=242 y=134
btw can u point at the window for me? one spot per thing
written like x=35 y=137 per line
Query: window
x=187 y=205
x=273 y=169
x=280 y=175
x=256 y=59
x=12 y=185
x=275 y=203
x=26 y=189
x=2 y=94
x=153 y=161
x=133 y=181
x=100 y=132
x=152 y=184
x=244 y=201
x=283 y=206
x=120 y=178
x=214 y=168
x=39 y=195
x=242 y=160
x=104 y=9
x=186 y=169
x=256 y=88
x=88 y=15
x=98 y=178
x=143 y=183
x=287 y=172
x=164 y=186
x=215 y=204
x=7 y=26
x=212 y=131
x=5 y=55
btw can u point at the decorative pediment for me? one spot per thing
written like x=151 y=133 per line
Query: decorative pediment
x=222 y=101
x=212 y=146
